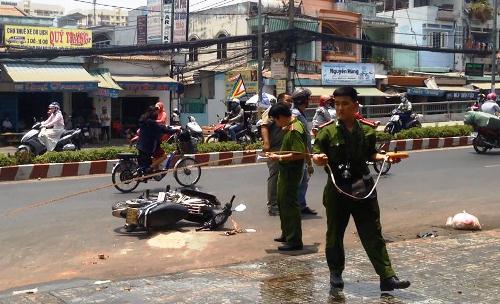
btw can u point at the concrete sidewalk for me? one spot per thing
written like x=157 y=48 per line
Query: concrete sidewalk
x=462 y=269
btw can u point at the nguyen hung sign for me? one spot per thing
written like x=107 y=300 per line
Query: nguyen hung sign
x=334 y=73
x=46 y=37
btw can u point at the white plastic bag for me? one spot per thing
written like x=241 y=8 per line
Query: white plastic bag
x=463 y=221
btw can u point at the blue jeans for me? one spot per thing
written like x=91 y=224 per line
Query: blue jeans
x=233 y=130
x=304 y=183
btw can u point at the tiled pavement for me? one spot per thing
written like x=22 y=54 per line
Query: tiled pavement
x=462 y=269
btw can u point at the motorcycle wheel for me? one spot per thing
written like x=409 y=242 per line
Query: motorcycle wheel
x=212 y=138
x=187 y=171
x=122 y=175
x=377 y=166
x=389 y=128
x=23 y=151
x=245 y=140
x=477 y=147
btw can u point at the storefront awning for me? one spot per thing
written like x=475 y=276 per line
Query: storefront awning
x=107 y=87
x=147 y=83
x=33 y=77
x=362 y=91
x=449 y=93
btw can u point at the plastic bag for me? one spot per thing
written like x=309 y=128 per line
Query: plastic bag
x=463 y=221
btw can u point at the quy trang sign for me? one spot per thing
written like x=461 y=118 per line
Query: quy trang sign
x=46 y=37
x=337 y=74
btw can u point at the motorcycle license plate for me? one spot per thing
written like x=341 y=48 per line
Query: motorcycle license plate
x=132 y=216
x=86 y=134
x=473 y=134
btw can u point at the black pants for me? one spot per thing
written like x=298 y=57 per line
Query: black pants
x=107 y=131
x=144 y=160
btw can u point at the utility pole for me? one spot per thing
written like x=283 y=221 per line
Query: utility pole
x=259 y=51
x=289 y=78
x=494 y=50
x=95 y=16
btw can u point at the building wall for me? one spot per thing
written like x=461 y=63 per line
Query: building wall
x=416 y=21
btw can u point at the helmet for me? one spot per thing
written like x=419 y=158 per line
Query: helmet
x=233 y=104
x=300 y=96
x=323 y=100
x=159 y=105
x=191 y=119
x=176 y=110
x=491 y=96
x=55 y=105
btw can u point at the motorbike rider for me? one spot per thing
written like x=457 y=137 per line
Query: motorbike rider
x=235 y=119
x=322 y=114
x=162 y=115
x=176 y=117
x=53 y=127
x=148 y=143
x=404 y=109
x=490 y=105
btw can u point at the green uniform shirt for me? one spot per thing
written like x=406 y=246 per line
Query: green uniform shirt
x=294 y=139
x=342 y=146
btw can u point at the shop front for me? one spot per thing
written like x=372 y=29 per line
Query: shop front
x=28 y=88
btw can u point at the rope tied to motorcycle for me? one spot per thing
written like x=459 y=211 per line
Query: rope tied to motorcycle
x=165 y=171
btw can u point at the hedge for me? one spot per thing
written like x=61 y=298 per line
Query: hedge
x=111 y=152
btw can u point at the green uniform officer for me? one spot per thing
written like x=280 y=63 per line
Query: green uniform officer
x=345 y=146
x=291 y=168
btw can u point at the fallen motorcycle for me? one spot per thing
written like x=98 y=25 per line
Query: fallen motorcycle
x=165 y=209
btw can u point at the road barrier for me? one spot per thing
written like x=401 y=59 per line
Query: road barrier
x=36 y=171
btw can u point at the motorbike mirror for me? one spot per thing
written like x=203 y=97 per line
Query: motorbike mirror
x=240 y=208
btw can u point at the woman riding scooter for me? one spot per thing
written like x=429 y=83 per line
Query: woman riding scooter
x=52 y=128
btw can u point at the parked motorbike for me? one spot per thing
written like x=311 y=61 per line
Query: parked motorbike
x=30 y=143
x=195 y=130
x=165 y=209
x=395 y=123
x=221 y=133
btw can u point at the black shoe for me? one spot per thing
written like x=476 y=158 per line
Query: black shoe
x=308 y=210
x=336 y=281
x=392 y=283
x=281 y=239
x=288 y=247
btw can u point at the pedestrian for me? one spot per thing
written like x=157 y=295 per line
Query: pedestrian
x=105 y=124
x=272 y=137
x=7 y=125
x=291 y=166
x=94 y=125
x=300 y=99
x=346 y=146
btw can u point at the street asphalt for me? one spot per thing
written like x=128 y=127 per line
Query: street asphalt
x=62 y=241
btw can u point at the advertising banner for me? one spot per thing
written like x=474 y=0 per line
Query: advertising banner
x=338 y=74
x=142 y=30
x=154 y=21
x=180 y=20
x=168 y=6
x=278 y=68
x=46 y=37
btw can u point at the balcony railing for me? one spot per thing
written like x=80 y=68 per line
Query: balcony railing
x=339 y=50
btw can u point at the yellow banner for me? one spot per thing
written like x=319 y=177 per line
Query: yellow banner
x=46 y=37
x=249 y=77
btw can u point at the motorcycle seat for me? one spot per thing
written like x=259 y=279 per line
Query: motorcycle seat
x=126 y=155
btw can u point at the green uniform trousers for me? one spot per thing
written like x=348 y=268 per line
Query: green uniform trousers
x=366 y=216
x=288 y=184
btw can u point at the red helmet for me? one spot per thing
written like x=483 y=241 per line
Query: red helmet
x=491 y=96
x=324 y=99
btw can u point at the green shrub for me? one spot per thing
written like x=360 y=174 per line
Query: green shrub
x=219 y=147
x=435 y=132
x=7 y=160
x=254 y=146
x=82 y=155
x=383 y=136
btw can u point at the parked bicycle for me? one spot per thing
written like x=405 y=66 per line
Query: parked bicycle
x=127 y=174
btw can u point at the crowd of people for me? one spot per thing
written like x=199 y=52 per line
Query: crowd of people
x=344 y=145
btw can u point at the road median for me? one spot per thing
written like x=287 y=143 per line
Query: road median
x=51 y=170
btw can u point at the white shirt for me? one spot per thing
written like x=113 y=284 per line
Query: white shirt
x=55 y=120
x=490 y=107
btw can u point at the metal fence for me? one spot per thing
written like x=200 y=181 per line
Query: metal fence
x=426 y=108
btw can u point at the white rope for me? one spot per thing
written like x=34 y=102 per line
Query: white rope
x=350 y=195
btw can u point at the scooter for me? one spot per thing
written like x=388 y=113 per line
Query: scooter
x=484 y=139
x=165 y=209
x=221 y=133
x=195 y=130
x=395 y=123
x=30 y=143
